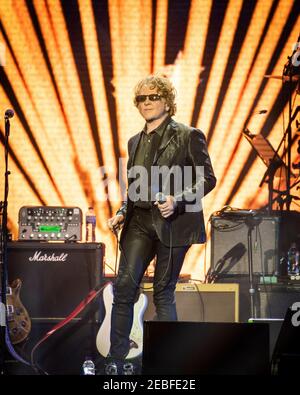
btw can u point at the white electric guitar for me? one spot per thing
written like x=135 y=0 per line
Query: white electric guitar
x=136 y=334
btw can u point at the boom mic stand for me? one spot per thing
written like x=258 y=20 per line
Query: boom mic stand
x=3 y=244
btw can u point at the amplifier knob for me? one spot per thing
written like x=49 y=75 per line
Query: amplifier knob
x=46 y=236
x=31 y=235
x=39 y=235
x=66 y=236
x=58 y=235
x=52 y=235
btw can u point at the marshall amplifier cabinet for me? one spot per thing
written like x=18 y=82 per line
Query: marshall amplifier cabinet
x=55 y=277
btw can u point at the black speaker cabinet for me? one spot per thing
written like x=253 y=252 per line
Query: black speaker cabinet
x=229 y=245
x=201 y=302
x=205 y=348
x=55 y=277
x=273 y=300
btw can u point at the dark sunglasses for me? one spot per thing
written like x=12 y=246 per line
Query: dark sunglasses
x=152 y=97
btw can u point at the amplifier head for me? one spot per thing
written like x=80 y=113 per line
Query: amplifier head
x=43 y=223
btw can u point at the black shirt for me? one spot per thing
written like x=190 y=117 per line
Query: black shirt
x=144 y=156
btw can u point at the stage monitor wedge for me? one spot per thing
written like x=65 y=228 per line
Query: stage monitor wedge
x=195 y=348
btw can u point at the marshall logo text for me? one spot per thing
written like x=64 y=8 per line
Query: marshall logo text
x=40 y=257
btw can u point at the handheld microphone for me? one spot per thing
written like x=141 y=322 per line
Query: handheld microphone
x=160 y=197
x=117 y=227
x=9 y=113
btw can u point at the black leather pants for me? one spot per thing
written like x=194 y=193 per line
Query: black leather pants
x=140 y=245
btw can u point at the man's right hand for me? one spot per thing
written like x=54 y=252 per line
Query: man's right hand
x=115 y=223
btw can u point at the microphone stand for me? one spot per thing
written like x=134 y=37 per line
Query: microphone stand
x=3 y=249
x=251 y=222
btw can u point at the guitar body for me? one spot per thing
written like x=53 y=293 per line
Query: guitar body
x=19 y=323
x=136 y=334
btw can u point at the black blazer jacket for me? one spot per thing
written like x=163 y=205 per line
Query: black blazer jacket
x=180 y=146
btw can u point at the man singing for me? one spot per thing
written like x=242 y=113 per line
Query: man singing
x=169 y=170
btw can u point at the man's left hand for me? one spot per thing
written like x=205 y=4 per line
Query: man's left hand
x=168 y=207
